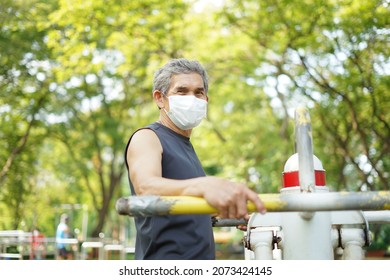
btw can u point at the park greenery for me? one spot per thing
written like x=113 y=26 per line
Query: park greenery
x=76 y=81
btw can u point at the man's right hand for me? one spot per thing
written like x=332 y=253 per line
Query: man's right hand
x=228 y=197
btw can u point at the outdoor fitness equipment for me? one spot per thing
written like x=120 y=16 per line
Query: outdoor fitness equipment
x=304 y=221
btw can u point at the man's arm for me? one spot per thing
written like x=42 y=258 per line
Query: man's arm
x=144 y=157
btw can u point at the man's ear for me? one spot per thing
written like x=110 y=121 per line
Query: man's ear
x=158 y=98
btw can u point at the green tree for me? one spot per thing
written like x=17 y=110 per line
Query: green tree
x=103 y=91
x=333 y=57
x=24 y=93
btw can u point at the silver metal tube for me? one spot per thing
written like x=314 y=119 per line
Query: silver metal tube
x=372 y=217
x=304 y=148
x=377 y=217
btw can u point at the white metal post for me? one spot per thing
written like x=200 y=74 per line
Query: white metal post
x=261 y=244
x=307 y=235
x=352 y=240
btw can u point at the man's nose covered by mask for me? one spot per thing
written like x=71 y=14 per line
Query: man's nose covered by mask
x=186 y=112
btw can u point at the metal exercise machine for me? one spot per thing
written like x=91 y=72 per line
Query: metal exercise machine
x=304 y=221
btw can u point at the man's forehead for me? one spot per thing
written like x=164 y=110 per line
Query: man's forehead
x=187 y=80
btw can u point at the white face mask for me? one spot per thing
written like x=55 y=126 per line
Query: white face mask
x=187 y=111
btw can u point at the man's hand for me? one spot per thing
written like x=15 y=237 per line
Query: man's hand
x=229 y=198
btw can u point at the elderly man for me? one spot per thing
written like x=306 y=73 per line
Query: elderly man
x=161 y=161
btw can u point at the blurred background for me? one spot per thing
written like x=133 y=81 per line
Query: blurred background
x=76 y=81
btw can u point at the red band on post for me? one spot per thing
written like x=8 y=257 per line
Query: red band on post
x=291 y=179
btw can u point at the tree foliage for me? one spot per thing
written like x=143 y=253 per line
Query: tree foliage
x=333 y=57
x=76 y=78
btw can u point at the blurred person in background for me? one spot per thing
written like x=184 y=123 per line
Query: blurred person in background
x=63 y=233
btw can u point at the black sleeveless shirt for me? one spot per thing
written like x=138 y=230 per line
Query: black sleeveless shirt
x=185 y=237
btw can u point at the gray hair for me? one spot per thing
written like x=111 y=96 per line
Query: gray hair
x=162 y=78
